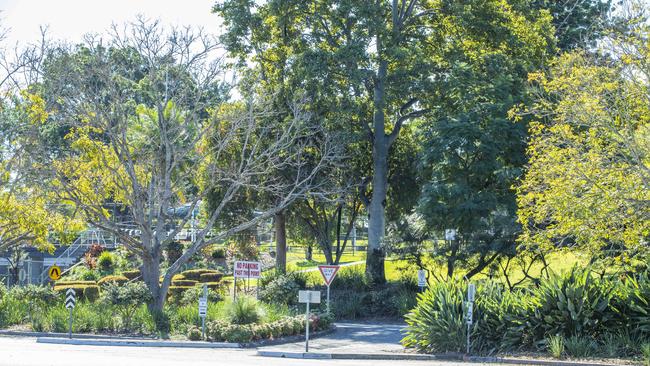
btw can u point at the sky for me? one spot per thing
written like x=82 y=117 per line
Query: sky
x=71 y=19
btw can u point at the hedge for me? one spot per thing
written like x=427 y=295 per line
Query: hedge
x=195 y=274
x=183 y=283
x=74 y=283
x=210 y=277
x=120 y=280
x=132 y=274
x=87 y=292
x=177 y=291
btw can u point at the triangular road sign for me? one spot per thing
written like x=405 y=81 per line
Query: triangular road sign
x=328 y=273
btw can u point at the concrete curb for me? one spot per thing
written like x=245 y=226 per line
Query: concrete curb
x=519 y=361
x=422 y=357
x=347 y=356
x=15 y=333
x=136 y=343
x=289 y=339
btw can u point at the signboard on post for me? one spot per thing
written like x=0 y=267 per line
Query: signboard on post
x=203 y=309
x=245 y=269
x=471 y=295
x=70 y=302
x=328 y=273
x=422 y=279
x=308 y=297
x=54 y=272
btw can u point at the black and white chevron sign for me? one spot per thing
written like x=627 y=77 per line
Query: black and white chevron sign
x=70 y=300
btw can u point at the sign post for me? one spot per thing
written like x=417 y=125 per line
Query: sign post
x=328 y=273
x=307 y=297
x=422 y=279
x=471 y=294
x=246 y=269
x=70 y=302
x=203 y=309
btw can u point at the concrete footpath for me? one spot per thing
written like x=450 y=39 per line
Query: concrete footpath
x=366 y=338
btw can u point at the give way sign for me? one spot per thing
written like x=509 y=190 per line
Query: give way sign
x=328 y=273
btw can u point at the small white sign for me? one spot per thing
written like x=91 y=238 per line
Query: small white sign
x=450 y=234
x=422 y=278
x=328 y=273
x=470 y=312
x=203 y=307
x=471 y=292
x=305 y=296
x=245 y=269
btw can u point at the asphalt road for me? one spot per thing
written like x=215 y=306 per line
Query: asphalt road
x=16 y=351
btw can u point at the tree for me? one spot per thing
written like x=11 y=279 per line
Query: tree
x=150 y=130
x=588 y=183
x=578 y=23
x=473 y=153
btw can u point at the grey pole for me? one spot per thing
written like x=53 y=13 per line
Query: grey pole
x=328 y=299
x=70 y=324
x=307 y=326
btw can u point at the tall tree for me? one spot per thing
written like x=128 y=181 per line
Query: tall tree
x=588 y=183
x=474 y=153
x=150 y=130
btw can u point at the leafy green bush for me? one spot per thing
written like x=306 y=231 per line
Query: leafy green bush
x=555 y=345
x=194 y=334
x=281 y=289
x=106 y=261
x=219 y=253
x=243 y=310
x=350 y=278
x=645 y=353
x=436 y=324
x=573 y=303
x=580 y=347
x=126 y=299
x=632 y=304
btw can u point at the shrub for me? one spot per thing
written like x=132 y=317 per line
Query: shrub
x=216 y=285
x=632 y=304
x=89 y=275
x=176 y=292
x=117 y=279
x=173 y=251
x=243 y=310
x=132 y=274
x=580 y=346
x=281 y=289
x=106 y=261
x=436 y=324
x=126 y=299
x=573 y=303
x=555 y=345
x=645 y=353
x=194 y=334
x=219 y=253
x=74 y=283
x=350 y=278
x=82 y=291
x=210 y=277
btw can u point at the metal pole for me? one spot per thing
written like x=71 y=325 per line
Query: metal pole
x=307 y=326
x=234 y=290
x=203 y=327
x=328 y=299
x=70 y=324
x=468 y=331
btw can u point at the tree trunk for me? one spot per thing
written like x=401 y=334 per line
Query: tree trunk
x=309 y=251
x=280 y=242
x=376 y=208
x=151 y=276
